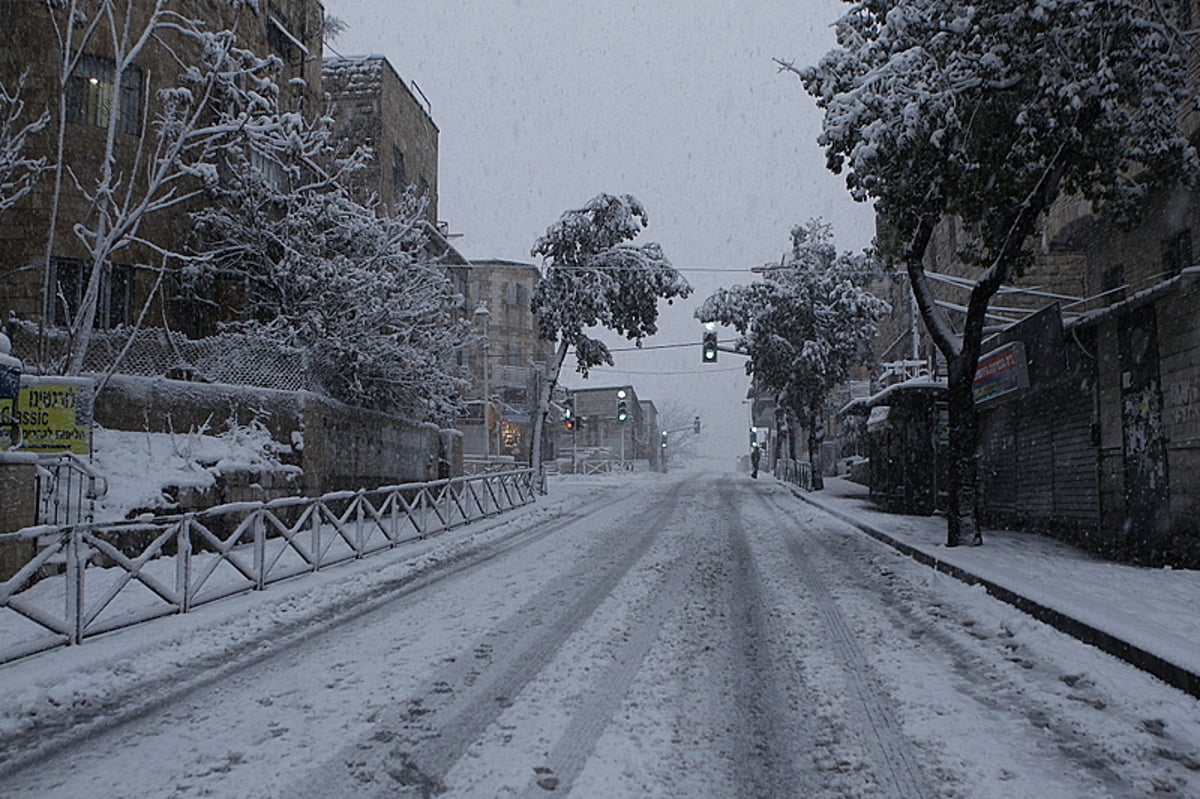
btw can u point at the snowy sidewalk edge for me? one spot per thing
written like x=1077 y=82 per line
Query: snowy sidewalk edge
x=1172 y=674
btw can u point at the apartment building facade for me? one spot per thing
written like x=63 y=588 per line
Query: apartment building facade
x=506 y=361
x=43 y=270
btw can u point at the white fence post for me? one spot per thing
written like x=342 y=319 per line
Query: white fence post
x=74 y=585
x=360 y=543
x=260 y=551
x=183 y=563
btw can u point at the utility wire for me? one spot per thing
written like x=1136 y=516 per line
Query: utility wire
x=664 y=346
x=705 y=371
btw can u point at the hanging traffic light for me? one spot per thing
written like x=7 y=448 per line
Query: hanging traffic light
x=710 y=346
x=622 y=405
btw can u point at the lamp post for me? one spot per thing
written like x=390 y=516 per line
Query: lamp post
x=482 y=314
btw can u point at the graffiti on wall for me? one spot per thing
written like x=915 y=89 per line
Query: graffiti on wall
x=1184 y=400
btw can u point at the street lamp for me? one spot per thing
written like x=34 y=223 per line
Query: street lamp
x=481 y=315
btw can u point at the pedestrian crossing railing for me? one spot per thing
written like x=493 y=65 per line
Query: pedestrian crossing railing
x=88 y=579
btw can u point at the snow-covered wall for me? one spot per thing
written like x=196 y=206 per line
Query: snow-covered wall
x=337 y=446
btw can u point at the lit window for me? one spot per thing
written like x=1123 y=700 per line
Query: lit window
x=92 y=88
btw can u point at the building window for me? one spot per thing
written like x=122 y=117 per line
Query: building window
x=115 y=304
x=285 y=38
x=399 y=175
x=512 y=353
x=91 y=90
x=1113 y=287
x=273 y=174
x=1177 y=252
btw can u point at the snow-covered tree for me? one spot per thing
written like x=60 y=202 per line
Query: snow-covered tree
x=18 y=172
x=325 y=273
x=805 y=326
x=986 y=111
x=595 y=276
x=222 y=90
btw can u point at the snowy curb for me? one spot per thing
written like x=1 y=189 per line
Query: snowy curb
x=1172 y=674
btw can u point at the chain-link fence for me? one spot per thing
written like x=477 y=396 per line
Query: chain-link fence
x=231 y=358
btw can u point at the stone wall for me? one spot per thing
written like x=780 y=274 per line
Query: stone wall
x=337 y=447
x=18 y=488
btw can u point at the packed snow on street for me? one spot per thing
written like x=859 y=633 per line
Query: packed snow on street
x=690 y=634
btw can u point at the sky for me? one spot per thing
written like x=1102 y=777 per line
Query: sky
x=541 y=105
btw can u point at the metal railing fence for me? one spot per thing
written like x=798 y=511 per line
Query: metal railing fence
x=794 y=471
x=88 y=579
x=68 y=488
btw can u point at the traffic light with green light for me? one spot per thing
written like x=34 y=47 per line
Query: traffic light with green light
x=710 y=346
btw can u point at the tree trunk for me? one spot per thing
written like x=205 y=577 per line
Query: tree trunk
x=814 y=451
x=962 y=523
x=543 y=411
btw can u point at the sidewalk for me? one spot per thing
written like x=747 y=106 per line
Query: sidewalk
x=1149 y=617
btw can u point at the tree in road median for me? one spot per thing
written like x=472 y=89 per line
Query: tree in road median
x=805 y=326
x=595 y=277
x=985 y=112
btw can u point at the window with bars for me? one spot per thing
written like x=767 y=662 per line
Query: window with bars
x=114 y=307
x=92 y=89
x=1177 y=252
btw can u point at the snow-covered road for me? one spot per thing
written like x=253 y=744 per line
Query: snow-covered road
x=687 y=635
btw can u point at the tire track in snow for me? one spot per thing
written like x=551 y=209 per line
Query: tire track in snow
x=1005 y=692
x=428 y=736
x=569 y=755
x=894 y=757
x=778 y=745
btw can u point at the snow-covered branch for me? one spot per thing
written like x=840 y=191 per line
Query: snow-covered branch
x=18 y=172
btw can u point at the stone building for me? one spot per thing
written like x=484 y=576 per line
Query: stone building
x=373 y=106
x=287 y=29
x=1097 y=438
x=507 y=342
x=598 y=429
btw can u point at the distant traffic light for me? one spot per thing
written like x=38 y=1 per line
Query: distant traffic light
x=696 y=426
x=622 y=405
x=664 y=439
x=753 y=439
x=568 y=414
x=710 y=346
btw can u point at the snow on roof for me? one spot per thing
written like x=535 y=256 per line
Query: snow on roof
x=881 y=397
x=354 y=75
